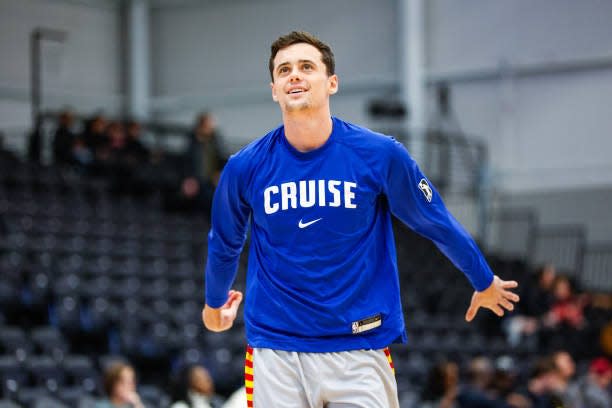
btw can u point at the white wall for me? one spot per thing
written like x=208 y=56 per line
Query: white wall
x=215 y=56
x=86 y=70
x=548 y=131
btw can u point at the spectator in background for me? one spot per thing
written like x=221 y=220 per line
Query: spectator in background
x=203 y=164
x=536 y=301
x=136 y=153
x=196 y=389
x=592 y=390
x=120 y=387
x=115 y=150
x=441 y=386
x=505 y=378
x=7 y=160
x=565 y=321
x=238 y=399
x=96 y=139
x=128 y=164
x=7 y=157
x=539 y=296
x=566 y=368
x=475 y=393
x=205 y=153
x=567 y=308
x=112 y=157
x=64 y=139
x=35 y=141
x=543 y=385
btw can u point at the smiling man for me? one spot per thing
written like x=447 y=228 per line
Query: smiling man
x=322 y=297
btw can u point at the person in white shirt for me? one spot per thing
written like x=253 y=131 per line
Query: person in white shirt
x=199 y=390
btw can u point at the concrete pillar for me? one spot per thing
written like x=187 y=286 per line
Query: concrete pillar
x=412 y=70
x=138 y=68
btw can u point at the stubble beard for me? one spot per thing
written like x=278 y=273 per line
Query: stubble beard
x=292 y=106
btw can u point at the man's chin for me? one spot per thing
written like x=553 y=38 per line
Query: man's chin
x=296 y=107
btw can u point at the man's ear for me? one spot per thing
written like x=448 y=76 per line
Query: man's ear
x=274 y=97
x=332 y=84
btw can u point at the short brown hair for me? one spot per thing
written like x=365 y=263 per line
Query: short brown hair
x=297 y=37
x=112 y=375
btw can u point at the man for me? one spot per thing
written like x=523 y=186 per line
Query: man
x=204 y=163
x=64 y=139
x=592 y=390
x=323 y=298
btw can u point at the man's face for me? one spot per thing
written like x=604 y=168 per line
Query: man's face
x=300 y=79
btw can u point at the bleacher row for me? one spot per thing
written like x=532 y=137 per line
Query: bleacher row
x=86 y=273
x=103 y=275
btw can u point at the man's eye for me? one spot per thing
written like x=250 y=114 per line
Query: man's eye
x=283 y=69
x=307 y=66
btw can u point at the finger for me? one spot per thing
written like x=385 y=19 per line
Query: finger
x=471 y=312
x=507 y=305
x=235 y=300
x=230 y=299
x=509 y=284
x=497 y=310
x=511 y=296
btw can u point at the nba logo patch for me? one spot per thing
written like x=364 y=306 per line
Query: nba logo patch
x=426 y=190
x=366 y=324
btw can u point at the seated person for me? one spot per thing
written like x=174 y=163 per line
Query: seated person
x=196 y=390
x=120 y=387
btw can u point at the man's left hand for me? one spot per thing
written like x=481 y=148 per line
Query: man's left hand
x=496 y=298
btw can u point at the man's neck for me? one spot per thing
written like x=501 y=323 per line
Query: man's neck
x=307 y=131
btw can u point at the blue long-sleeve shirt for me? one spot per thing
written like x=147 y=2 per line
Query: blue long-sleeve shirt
x=322 y=273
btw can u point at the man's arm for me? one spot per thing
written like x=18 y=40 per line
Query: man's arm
x=415 y=201
x=230 y=214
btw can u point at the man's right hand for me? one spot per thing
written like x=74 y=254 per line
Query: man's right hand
x=222 y=318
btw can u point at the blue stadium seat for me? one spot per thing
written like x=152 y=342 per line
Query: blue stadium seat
x=152 y=396
x=66 y=314
x=12 y=374
x=81 y=372
x=13 y=340
x=8 y=404
x=27 y=396
x=75 y=396
x=49 y=341
x=46 y=372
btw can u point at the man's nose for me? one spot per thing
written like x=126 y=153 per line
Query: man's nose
x=295 y=74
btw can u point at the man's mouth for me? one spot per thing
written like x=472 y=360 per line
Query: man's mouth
x=297 y=90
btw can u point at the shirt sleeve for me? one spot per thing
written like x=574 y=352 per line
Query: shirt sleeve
x=230 y=215
x=414 y=200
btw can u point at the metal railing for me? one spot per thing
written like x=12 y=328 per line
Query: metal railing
x=514 y=234
x=597 y=269
x=511 y=232
x=563 y=246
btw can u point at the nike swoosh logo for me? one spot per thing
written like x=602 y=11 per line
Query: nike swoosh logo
x=309 y=223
